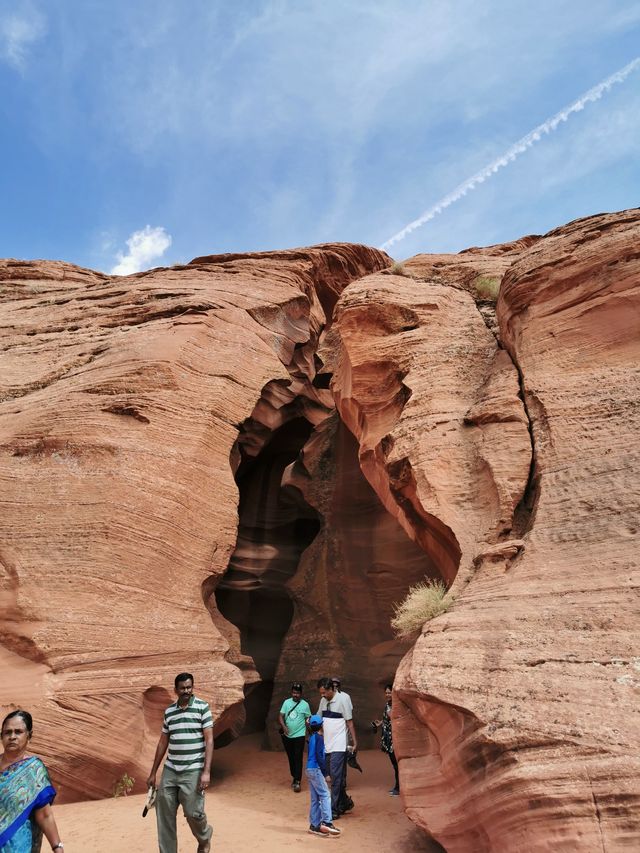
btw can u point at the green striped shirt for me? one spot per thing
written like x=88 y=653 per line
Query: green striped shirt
x=185 y=727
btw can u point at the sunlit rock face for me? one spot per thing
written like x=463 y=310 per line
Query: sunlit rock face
x=237 y=467
x=515 y=714
x=434 y=402
x=122 y=401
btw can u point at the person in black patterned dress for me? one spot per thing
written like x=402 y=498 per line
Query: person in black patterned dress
x=386 y=740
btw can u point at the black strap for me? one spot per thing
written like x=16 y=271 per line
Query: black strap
x=292 y=708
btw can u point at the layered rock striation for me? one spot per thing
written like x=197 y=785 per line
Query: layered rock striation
x=239 y=466
x=515 y=716
x=122 y=400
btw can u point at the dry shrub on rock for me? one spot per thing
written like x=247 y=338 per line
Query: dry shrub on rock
x=488 y=287
x=424 y=601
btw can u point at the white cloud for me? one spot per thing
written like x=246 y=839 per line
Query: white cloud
x=144 y=246
x=18 y=32
x=315 y=121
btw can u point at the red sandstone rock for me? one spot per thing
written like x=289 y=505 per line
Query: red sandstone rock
x=465 y=269
x=515 y=714
x=433 y=401
x=129 y=404
x=121 y=401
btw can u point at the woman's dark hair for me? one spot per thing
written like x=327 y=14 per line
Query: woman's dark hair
x=26 y=718
x=295 y=685
x=388 y=687
x=182 y=676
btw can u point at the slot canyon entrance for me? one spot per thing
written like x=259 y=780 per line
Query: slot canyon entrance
x=275 y=526
x=318 y=566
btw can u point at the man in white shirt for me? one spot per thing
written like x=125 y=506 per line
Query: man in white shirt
x=337 y=686
x=337 y=721
x=347 y=802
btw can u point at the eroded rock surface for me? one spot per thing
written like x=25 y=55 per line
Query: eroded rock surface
x=516 y=715
x=121 y=401
x=358 y=566
x=238 y=467
x=434 y=402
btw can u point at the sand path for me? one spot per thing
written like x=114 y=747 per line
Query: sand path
x=253 y=808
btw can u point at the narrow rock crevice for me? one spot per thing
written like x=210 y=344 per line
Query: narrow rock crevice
x=275 y=526
x=360 y=565
x=280 y=515
x=275 y=523
x=598 y=816
x=524 y=513
x=487 y=310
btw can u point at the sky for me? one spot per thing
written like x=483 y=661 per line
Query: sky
x=135 y=135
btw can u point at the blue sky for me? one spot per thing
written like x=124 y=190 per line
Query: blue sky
x=137 y=134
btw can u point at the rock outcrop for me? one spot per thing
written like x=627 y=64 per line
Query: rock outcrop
x=239 y=466
x=515 y=716
x=121 y=402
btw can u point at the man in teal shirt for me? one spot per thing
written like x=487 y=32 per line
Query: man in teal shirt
x=294 y=713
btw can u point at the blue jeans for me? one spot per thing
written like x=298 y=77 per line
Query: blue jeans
x=320 y=811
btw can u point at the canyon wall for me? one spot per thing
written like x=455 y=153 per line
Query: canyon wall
x=121 y=402
x=515 y=718
x=239 y=466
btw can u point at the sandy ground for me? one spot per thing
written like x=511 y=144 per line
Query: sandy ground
x=252 y=808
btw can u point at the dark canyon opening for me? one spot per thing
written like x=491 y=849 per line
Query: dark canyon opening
x=351 y=559
x=275 y=526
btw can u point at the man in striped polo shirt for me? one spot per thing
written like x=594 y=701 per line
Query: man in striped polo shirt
x=337 y=720
x=188 y=733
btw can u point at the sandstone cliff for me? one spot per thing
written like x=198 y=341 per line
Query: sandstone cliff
x=516 y=714
x=121 y=402
x=239 y=466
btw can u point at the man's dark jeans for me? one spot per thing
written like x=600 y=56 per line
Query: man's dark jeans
x=335 y=768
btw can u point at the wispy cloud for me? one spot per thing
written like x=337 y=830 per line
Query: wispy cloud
x=280 y=123
x=519 y=147
x=19 y=31
x=145 y=246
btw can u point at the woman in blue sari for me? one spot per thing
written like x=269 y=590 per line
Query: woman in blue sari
x=26 y=792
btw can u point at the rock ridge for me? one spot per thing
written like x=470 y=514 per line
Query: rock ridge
x=314 y=431
x=120 y=401
x=542 y=763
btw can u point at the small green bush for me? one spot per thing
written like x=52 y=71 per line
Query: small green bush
x=424 y=601
x=123 y=786
x=487 y=287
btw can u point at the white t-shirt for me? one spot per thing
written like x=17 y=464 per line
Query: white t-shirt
x=334 y=713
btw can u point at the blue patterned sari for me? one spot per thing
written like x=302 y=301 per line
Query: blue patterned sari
x=24 y=787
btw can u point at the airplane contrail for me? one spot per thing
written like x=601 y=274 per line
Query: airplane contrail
x=514 y=151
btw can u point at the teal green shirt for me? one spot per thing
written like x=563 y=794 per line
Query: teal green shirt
x=295 y=721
